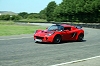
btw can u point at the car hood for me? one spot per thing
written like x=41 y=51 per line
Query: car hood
x=44 y=32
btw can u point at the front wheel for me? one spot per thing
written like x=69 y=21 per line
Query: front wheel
x=57 y=39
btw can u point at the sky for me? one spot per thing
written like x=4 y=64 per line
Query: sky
x=29 y=6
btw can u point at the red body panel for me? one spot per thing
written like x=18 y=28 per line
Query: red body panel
x=70 y=33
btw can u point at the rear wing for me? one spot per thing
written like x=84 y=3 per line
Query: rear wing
x=79 y=27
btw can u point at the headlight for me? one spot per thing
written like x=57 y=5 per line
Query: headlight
x=49 y=34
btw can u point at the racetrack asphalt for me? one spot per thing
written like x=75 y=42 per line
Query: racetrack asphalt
x=20 y=50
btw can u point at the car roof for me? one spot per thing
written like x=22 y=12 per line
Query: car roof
x=69 y=26
x=66 y=25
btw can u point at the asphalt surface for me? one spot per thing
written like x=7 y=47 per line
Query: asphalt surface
x=20 y=50
x=91 y=62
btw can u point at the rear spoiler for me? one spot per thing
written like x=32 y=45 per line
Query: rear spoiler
x=79 y=27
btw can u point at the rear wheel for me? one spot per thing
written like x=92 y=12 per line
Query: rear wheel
x=57 y=39
x=80 y=37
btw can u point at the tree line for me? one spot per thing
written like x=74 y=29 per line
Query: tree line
x=26 y=15
x=10 y=17
x=23 y=15
x=67 y=11
x=73 y=11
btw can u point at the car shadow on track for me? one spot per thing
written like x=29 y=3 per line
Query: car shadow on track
x=74 y=41
x=63 y=42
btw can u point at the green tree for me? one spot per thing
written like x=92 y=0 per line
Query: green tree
x=23 y=14
x=10 y=17
x=43 y=14
x=33 y=15
x=50 y=11
x=5 y=17
x=81 y=10
x=15 y=17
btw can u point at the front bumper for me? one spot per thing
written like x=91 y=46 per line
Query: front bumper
x=43 y=38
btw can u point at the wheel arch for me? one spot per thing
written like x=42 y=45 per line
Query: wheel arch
x=57 y=35
x=81 y=33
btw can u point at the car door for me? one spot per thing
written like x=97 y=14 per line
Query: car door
x=73 y=33
x=65 y=35
x=69 y=34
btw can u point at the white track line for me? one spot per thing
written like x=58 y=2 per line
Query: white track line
x=76 y=61
x=16 y=38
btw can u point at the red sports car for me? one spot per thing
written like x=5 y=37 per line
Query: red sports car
x=59 y=32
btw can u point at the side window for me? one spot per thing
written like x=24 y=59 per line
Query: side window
x=61 y=28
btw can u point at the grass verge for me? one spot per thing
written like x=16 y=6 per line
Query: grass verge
x=33 y=20
x=10 y=28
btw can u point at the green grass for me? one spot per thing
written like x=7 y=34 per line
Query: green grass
x=9 y=28
x=6 y=22
x=34 y=20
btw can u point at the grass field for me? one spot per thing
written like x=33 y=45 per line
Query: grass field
x=10 y=28
x=34 y=20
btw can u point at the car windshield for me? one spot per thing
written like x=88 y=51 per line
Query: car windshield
x=56 y=27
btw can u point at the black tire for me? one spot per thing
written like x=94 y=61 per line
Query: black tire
x=57 y=39
x=80 y=37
